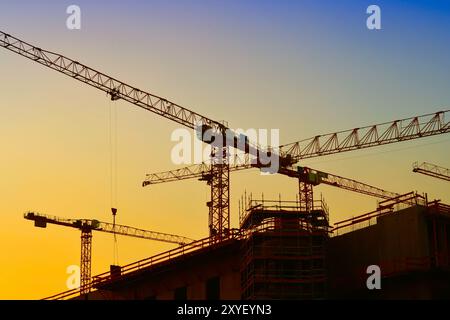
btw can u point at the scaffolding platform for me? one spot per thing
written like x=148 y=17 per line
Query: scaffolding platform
x=284 y=250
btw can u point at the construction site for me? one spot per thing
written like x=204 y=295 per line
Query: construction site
x=280 y=249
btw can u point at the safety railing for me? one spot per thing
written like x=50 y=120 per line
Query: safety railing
x=277 y=205
x=64 y=295
x=166 y=256
x=437 y=207
x=385 y=207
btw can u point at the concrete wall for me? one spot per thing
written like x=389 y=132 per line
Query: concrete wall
x=396 y=236
x=193 y=273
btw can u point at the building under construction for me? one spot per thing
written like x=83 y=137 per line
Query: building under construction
x=282 y=252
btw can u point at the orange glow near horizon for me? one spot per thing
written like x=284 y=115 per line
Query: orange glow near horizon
x=302 y=75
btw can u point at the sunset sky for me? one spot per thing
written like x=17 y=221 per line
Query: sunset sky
x=303 y=67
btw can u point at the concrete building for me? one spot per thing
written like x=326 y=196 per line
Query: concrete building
x=411 y=246
x=281 y=252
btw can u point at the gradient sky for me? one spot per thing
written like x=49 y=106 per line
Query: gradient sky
x=304 y=67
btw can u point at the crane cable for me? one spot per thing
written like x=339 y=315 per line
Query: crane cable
x=113 y=173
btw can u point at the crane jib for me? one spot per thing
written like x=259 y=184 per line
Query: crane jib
x=113 y=87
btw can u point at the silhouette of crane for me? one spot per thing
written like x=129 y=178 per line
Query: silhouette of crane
x=432 y=170
x=87 y=226
x=305 y=174
x=116 y=89
x=321 y=145
x=218 y=178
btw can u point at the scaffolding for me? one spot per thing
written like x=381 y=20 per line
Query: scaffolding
x=283 y=250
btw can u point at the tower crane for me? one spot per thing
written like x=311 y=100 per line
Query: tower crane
x=116 y=89
x=290 y=154
x=321 y=145
x=432 y=170
x=87 y=226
